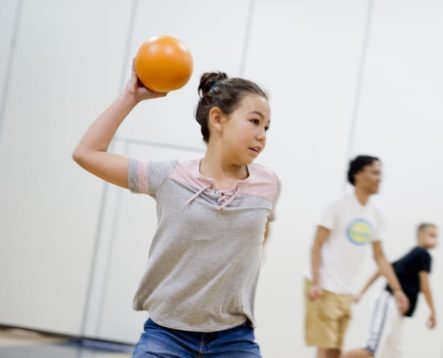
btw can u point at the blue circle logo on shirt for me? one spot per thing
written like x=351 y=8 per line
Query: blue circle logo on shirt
x=359 y=232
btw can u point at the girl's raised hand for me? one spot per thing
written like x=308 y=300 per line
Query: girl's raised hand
x=135 y=88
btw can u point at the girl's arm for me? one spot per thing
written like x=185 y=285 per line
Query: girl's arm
x=91 y=152
x=425 y=287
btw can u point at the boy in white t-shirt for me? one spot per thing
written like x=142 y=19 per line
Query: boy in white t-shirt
x=348 y=226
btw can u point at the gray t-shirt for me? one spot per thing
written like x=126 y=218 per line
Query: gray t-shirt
x=205 y=256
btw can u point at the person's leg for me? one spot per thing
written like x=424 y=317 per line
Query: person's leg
x=238 y=342
x=161 y=342
x=392 y=347
x=333 y=353
x=380 y=328
x=328 y=353
x=397 y=338
x=322 y=353
x=357 y=353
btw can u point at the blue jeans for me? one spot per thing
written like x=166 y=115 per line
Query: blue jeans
x=161 y=342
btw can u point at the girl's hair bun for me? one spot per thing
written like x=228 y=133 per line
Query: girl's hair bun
x=208 y=80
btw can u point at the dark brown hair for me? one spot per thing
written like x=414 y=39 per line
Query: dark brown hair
x=217 y=90
x=357 y=164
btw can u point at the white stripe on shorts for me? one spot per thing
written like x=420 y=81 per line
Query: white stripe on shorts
x=378 y=323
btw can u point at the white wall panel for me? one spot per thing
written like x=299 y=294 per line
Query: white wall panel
x=63 y=74
x=215 y=33
x=399 y=119
x=306 y=54
x=69 y=62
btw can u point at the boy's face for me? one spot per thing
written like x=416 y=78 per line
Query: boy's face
x=369 y=178
x=428 y=237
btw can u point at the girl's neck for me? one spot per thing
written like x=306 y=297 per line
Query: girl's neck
x=213 y=166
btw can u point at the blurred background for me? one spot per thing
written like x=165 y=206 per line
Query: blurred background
x=345 y=77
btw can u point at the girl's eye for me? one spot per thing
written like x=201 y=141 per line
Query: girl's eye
x=255 y=121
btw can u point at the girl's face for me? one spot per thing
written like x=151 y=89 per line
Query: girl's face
x=244 y=132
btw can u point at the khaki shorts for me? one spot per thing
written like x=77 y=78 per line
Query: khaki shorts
x=326 y=319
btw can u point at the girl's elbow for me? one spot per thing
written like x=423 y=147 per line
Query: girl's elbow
x=77 y=156
x=80 y=157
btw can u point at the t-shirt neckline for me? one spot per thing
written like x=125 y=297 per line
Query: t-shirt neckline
x=360 y=205
x=210 y=181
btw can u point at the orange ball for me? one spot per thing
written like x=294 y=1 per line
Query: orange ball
x=163 y=64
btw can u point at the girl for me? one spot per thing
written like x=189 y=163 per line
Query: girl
x=213 y=217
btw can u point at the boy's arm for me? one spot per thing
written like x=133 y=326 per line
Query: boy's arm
x=425 y=287
x=368 y=284
x=386 y=270
x=321 y=236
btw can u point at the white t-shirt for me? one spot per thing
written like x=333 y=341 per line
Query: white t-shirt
x=353 y=228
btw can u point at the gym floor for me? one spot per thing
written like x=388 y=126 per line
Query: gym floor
x=16 y=343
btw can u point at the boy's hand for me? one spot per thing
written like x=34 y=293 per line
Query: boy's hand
x=402 y=301
x=315 y=292
x=432 y=321
x=357 y=297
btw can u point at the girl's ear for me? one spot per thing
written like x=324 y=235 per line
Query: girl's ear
x=216 y=119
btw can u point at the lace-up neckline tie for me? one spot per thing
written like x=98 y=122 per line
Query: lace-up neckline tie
x=224 y=199
x=197 y=194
